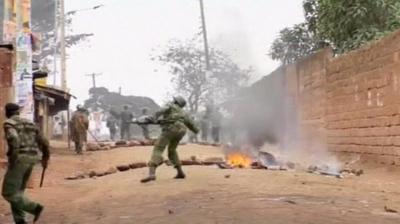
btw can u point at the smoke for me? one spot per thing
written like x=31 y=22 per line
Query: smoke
x=269 y=120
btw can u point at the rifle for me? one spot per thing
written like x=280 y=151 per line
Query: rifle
x=42 y=177
x=145 y=120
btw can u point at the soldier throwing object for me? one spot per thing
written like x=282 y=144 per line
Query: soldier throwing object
x=24 y=143
x=174 y=122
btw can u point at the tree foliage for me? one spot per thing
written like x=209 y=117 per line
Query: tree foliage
x=43 y=22
x=292 y=44
x=186 y=61
x=343 y=25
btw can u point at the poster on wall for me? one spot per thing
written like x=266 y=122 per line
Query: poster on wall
x=23 y=71
x=23 y=76
x=17 y=30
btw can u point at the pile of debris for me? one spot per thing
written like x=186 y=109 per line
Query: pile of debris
x=137 y=165
x=111 y=170
x=329 y=171
x=208 y=144
x=102 y=146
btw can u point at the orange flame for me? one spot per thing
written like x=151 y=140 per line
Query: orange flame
x=239 y=160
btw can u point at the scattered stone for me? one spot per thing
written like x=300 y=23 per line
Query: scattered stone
x=106 y=147
x=214 y=160
x=224 y=166
x=92 y=147
x=92 y=174
x=170 y=211
x=123 y=168
x=190 y=163
x=137 y=165
x=111 y=170
x=121 y=143
x=291 y=202
x=193 y=158
x=76 y=177
x=390 y=210
x=134 y=143
x=274 y=168
x=227 y=176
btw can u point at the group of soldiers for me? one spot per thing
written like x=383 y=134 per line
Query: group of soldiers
x=80 y=124
x=124 y=124
x=27 y=147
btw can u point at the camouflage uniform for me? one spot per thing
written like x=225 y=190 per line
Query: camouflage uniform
x=126 y=118
x=112 y=126
x=204 y=128
x=216 y=120
x=145 y=127
x=174 y=122
x=24 y=145
x=79 y=127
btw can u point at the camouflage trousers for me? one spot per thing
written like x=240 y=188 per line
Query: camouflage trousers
x=145 y=131
x=170 y=139
x=14 y=185
x=125 y=131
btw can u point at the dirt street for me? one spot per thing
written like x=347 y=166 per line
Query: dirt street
x=208 y=195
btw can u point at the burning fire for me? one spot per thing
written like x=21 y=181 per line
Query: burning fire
x=239 y=160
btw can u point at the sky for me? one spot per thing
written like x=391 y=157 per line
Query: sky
x=127 y=31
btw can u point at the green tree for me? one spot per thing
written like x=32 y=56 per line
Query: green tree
x=186 y=62
x=43 y=23
x=293 y=43
x=343 y=25
x=351 y=23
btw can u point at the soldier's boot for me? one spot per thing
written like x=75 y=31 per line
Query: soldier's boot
x=152 y=175
x=180 y=174
x=38 y=212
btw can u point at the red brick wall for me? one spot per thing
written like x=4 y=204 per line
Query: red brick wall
x=362 y=99
x=349 y=103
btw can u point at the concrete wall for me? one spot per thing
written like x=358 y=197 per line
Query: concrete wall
x=349 y=103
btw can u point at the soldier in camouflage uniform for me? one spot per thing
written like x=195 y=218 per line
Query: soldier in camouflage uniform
x=126 y=119
x=112 y=126
x=24 y=146
x=79 y=127
x=145 y=127
x=216 y=120
x=174 y=122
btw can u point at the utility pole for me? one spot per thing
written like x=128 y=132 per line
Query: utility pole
x=62 y=45
x=203 y=25
x=94 y=75
x=55 y=52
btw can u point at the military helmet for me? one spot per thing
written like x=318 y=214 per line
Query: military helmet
x=11 y=107
x=180 y=101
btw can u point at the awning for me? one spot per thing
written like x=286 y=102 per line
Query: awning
x=57 y=98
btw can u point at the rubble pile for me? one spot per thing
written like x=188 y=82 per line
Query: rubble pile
x=111 y=170
x=208 y=144
x=102 y=146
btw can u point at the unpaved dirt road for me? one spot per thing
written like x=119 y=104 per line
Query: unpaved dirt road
x=208 y=195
